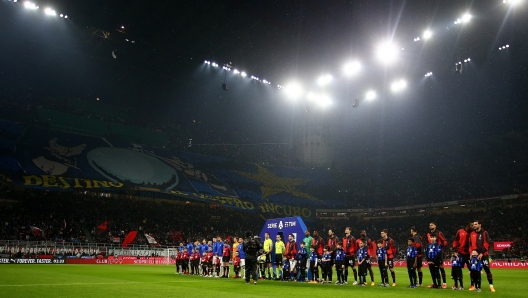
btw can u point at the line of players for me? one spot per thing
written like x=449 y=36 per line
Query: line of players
x=469 y=248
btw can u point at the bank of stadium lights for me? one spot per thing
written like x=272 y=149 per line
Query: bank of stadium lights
x=398 y=85
x=50 y=12
x=417 y=39
x=236 y=71
x=370 y=95
x=467 y=60
x=293 y=90
x=387 y=52
x=427 y=34
x=320 y=99
x=324 y=80
x=504 y=47
x=428 y=74
x=30 y=5
x=351 y=68
x=243 y=74
x=511 y=2
x=465 y=18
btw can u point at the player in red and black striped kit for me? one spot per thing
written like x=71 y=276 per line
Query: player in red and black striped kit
x=418 y=244
x=350 y=248
x=480 y=241
x=332 y=243
x=440 y=239
x=318 y=245
x=461 y=243
x=390 y=248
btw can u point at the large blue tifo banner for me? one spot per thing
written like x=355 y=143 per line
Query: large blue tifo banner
x=50 y=159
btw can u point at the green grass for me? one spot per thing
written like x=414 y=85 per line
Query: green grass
x=160 y=281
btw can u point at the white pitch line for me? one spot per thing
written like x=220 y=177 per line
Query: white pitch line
x=105 y=283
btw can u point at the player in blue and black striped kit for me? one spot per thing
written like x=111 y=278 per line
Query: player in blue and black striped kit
x=363 y=259
x=381 y=255
x=340 y=263
x=457 y=263
x=475 y=266
x=301 y=262
x=434 y=258
x=312 y=258
x=412 y=258
x=285 y=270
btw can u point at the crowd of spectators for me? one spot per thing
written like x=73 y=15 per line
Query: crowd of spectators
x=80 y=217
x=493 y=166
x=75 y=217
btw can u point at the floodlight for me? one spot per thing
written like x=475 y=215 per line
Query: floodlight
x=323 y=100
x=387 y=52
x=30 y=5
x=66 y=16
x=236 y=71
x=370 y=95
x=324 y=79
x=398 y=85
x=293 y=90
x=466 y=17
x=351 y=68
x=61 y=15
x=50 y=12
x=507 y=45
x=243 y=74
x=427 y=34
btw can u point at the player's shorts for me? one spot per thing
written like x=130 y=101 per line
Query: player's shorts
x=278 y=260
x=419 y=262
x=302 y=263
x=465 y=259
x=339 y=264
x=225 y=259
x=485 y=263
x=350 y=261
x=456 y=272
x=410 y=263
x=242 y=262
x=209 y=264
x=268 y=259
x=390 y=263
x=293 y=263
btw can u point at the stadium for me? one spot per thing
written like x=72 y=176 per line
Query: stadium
x=330 y=148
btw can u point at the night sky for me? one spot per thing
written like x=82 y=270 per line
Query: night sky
x=163 y=71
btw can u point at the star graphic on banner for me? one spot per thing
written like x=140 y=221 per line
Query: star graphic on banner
x=273 y=184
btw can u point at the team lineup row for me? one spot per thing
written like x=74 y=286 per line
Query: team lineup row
x=302 y=264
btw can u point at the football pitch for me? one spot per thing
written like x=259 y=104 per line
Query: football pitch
x=160 y=281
